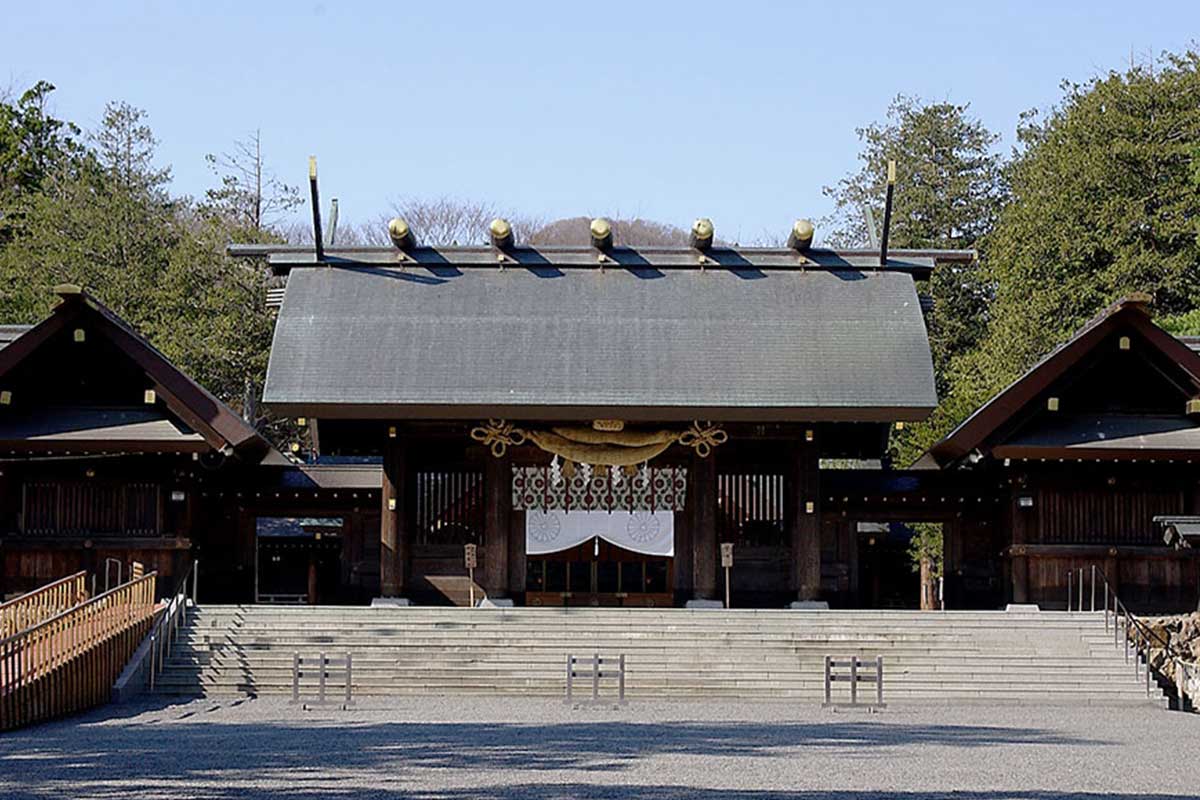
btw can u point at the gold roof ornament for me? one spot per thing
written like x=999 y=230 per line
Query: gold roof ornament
x=501 y=232
x=800 y=238
x=608 y=424
x=602 y=234
x=401 y=234
x=702 y=234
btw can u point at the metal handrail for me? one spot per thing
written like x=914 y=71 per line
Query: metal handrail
x=166 y=629
x=1144 y=637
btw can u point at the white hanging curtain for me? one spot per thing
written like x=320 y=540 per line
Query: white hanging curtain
x=651 y=534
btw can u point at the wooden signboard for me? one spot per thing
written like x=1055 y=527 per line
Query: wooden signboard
x=727 y=565
x=471 y=558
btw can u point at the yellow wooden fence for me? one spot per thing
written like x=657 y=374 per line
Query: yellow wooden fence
x=42 y=604
x=68 y=662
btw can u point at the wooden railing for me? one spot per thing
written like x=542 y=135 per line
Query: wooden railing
x=42 y=604
x=68 y=663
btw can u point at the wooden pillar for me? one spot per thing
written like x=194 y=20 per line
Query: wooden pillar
x=497 y=483
x=312 y=580
x=850 y=532
x=704 y=527
x=806 y=519
x=1019 y=530
x=393 y=538
x=516 y=552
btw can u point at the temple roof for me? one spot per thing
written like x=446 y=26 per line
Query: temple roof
x=1016 y=424
x=639 y=342
x=179 y=414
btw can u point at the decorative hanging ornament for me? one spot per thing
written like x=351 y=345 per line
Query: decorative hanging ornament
x=585 y=470
x=556 y=475
x=616 y=475
x=499 y=436
x=703 y=437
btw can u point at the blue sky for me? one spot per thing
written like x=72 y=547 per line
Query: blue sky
x=740 y=111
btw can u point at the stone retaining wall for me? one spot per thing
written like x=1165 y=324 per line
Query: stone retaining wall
x=1183 y=633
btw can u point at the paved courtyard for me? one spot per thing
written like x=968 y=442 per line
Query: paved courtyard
x=511 y=749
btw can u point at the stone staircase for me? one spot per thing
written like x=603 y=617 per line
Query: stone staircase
x=929 y=657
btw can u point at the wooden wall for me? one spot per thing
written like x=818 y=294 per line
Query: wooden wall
x=766 y=572
x=1062 y=517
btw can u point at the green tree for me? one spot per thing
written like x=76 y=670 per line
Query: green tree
x=1105 y=200
x=32 y=143
x=107 y=220
x=949 y=189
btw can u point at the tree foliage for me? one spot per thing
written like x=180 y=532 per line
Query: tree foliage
x=949 y=189
x=102 y=216
x=1104 y=200
x=33 y=146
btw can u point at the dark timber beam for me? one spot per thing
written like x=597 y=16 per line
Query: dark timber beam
x=887 y=214
x=318 y=240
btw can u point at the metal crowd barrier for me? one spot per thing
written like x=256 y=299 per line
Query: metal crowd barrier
x=598 y=668
x=854 y=677
x=325 y=667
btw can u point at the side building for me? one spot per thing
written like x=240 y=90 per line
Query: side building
x=1085 y=451
x=110 y=454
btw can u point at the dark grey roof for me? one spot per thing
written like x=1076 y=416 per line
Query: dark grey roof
x=1144 y=434
x=669 y=344
x=8 y=333
x=97 y=427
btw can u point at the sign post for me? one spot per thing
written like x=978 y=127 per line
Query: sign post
x=727 y=564
x=471 y=558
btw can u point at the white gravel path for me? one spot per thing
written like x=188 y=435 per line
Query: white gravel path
x=511 y=749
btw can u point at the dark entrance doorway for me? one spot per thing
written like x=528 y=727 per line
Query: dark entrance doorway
x=298 y=559
x=886 y=578
x=598 y=573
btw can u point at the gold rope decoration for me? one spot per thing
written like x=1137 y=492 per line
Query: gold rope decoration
x=703 y=438
x=499 y=436
x=622 y=437
x=624 y=448
x=606 y=454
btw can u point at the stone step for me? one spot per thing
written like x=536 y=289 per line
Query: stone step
x=675 y=653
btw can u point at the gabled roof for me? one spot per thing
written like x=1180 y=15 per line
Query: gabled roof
x=1082 y=436
x=665 y=344
x=206 y=420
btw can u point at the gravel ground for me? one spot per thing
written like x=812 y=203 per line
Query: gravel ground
x=511 y=749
